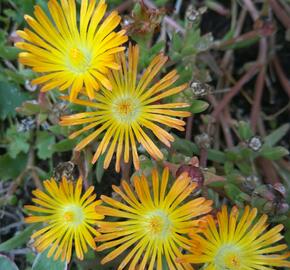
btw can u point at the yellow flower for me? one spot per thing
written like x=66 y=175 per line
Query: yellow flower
x=152 y=225
x=69 y=218
x=132 y=108
x=72 y=56
x=238 y=244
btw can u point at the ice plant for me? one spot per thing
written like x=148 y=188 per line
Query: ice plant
x=153 y=221
x=244 y=243
x=130 y=110
x=72 y=55
x=69 y=217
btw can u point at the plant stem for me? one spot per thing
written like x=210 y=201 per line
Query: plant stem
x=260 y=82
x=235 y=89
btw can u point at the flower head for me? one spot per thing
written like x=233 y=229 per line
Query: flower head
x=69 y=217
x=152 y=225
x=128 y=112
x=68 y=55
x=238 y=244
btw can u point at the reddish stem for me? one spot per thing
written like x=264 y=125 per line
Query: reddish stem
x=260 y=83
x=283 y=79
x=268 y=170
x=252 y=9
x=124 y=6
x=188 y=132
x=280 y=13
x=126 y=169
x=247 y=36
x=203 y=157
x=235 y=89
x=224 y=121
x=256 y=107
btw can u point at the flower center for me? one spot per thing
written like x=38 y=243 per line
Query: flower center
x=79 y=61
x=126 y=110
x=158 y=224
x=125 y=107
x=73 y=215
x=228 y=257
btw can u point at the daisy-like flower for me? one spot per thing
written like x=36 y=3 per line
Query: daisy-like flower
x=69 y=217
x=152 y=224
x=126 y=113
x=238 y=243
x=71 y=55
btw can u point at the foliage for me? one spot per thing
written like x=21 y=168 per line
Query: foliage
x=243 y=162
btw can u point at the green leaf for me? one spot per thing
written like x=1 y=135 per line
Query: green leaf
x=100 y=168
x=205 y=42
x=217 y=184
x=41 y=262
x=64 y=145
x=30 y=107
x=7 y=264
x=19 y=239
x=232 y=191
x=246 y=153
x=156 y=48
x=177 y=42
x=9 y=52
x=198 y=106
x=233 y=155
x=244 y=130
x=184 y=146
x=44 y=144
x=276 y=135
x=274 y=153
x=10 y=98
x=10 y=168
x=59 y=130
x=189 y=149
x=245 y=167
x=216 y=155
x=228 y=167
x=240 y=44
x=17 y=141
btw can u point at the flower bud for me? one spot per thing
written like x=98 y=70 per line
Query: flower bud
x=282 y=208
x=255 y=143
x=194 y=173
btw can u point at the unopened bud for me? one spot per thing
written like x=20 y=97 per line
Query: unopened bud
x=268 y=207
x=29 y=86
x=195 y=174
x=203 y=140
x=194 y=15
x=280 y=189
x=282 y=208
x=199 y=89
x=251 y=182
x=255 y=143
x=265 y=193
x=26 y=125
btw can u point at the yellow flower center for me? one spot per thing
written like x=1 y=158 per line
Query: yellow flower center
x=228 y=257
x=79 y=61
x=158 y=224
x=125 y=109
x=73 y=215
x=68 y=216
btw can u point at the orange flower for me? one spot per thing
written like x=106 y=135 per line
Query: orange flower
x=69 y=218
x=238 y=243
x=153 y=221
x=130 y=111
x=72 y=56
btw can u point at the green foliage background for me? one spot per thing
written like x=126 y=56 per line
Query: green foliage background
x=33 y=145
